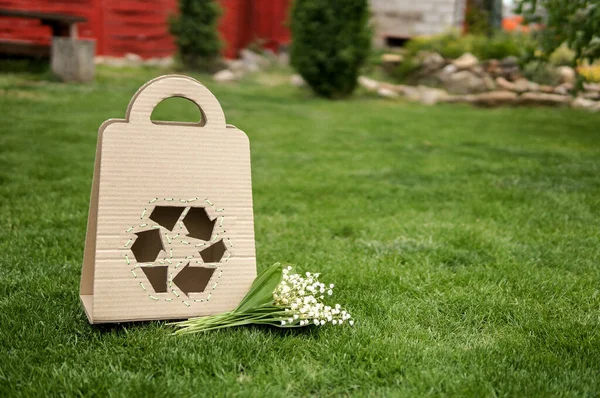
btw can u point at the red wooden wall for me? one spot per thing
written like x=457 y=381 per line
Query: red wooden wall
x=270 y=22
x=141 y=27
x=32 y=30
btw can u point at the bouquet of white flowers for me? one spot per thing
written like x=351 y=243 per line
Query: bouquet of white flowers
x=278 y=298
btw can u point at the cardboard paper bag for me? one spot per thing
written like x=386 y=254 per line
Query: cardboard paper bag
x=170 y=231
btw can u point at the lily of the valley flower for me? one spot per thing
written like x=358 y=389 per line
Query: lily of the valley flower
x=302 y=298
x=278 y=298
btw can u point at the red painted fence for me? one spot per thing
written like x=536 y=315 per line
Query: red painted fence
x=141 y=26
x=270 y=22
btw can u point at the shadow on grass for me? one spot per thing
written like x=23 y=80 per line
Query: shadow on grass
x=128 y=327
x=32 y=66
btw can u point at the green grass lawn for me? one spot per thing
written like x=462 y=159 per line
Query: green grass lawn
x=465 y=242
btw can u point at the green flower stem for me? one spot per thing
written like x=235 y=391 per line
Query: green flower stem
x=267 y=314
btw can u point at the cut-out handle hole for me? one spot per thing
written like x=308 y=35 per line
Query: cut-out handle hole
x=178 y=110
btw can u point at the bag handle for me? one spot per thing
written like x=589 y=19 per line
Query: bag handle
x=152 y=93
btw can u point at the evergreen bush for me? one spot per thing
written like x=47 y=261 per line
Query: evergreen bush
x=197 y=37
x=331 y=40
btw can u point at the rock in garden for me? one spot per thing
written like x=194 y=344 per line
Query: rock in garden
x=387 y=93
x=567 y=74
x=490 y=85
x=493 y=68
x=236 y=65
x=496 y=98
x=392 y=58
x=252 y=58
x=166 y=62
x=468 y=98
x=563 y=89
x=224 y=76
x=431 y=61
x=505 y=84
x=431 y=96
x=115 y=61
x=512 y=74
x=397 y=88
x=521 y=85
x=510 y=68
x=491 y=65
x=592 y=95
x=368 y=83
x=546 y=89
x=389 y=62
x=586 y=104
x=270 y=56
x=283 y=58
x=297 y=81
x=133 y=59
x=544 y=99
x=464 y=82
x=532 y=86
x=466 y=61
x=449 y=69
x=154 y=61
x=412 y=93
x=509 y=61
x=592 y=87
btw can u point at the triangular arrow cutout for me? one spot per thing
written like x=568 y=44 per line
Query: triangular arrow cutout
x=157 y=276
x=199 y=224
x=193 y=279
x=214 y=253
x=166 y=216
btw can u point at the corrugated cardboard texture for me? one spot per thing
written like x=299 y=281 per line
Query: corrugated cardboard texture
x=141 y=164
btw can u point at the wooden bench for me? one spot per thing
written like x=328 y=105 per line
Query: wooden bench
x=61 y=25
x=71 y=59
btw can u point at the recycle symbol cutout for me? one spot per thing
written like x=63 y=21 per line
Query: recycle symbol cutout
x=178 y=248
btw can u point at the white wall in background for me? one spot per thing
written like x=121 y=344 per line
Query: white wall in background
x=410 y=18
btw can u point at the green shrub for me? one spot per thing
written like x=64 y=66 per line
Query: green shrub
x=500 y=45
x=331 y=41
x=562 y=56
x=453 y=45
x=570 y=22
x=195 y=30
x=477 y=20
x=541 y=72
x=449 y=45
x=406 y=71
